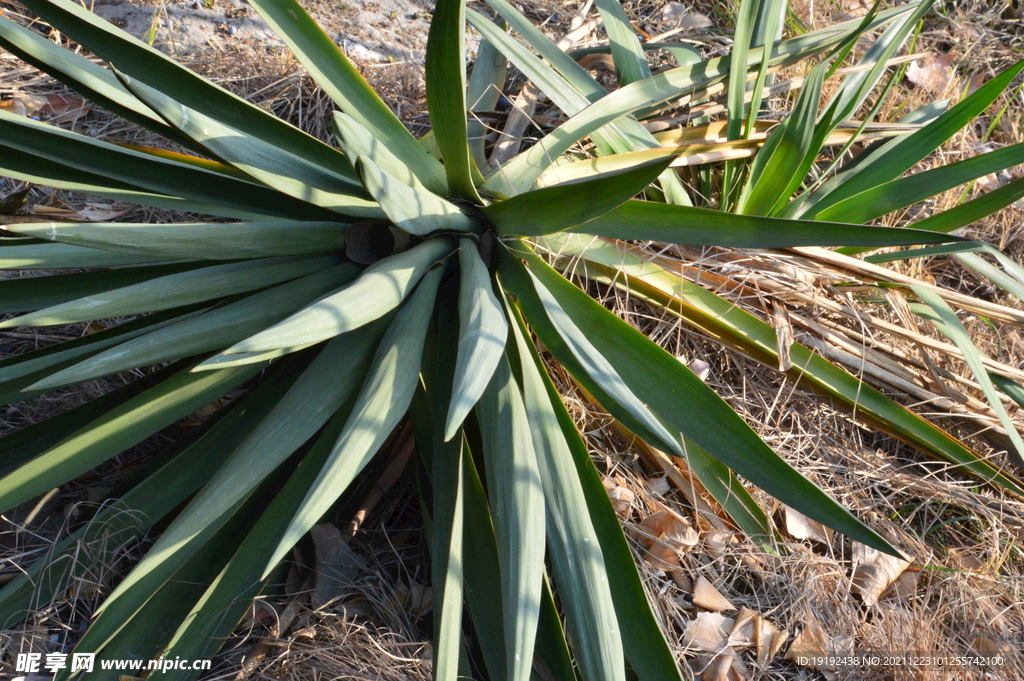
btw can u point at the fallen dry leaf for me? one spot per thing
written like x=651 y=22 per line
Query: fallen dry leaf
x=415 y=599
x=622 y=499
x=65 y=109
x=812 y=642
x=934 y=74
x=709 y=632
x=664 y=534
x=722 y=668
x=708 y=597
x=23 y=105
x=874 y=571
x=800 y=526
x=679 y=15
x=658 y=485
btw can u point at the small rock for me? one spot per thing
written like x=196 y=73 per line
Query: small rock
x=232 y=30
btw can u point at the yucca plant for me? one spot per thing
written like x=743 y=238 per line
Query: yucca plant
x=348 y=288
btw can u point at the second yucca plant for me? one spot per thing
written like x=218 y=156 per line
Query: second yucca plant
x=346 y=288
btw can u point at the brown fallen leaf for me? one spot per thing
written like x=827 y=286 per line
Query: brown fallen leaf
x=415 y=599
x=23 y=105
x=874 y=571
x=722 y=668
x=709 y=632
x=65 y=109
x=800 y=526
x=622 y=499
x=812 y=642
x=665 y=534
x=934 y=74
x=708 y=597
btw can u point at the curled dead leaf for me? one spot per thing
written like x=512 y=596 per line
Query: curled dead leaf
x=708 y=632
x=934 y=74
x=812 y=644
x=622 y=499
x=874 y=571
x=800 y=526
x=665 y=534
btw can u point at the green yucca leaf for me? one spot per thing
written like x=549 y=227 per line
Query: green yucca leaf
x=417 y=212
x=85 y=77
x=975 y=209
x=917 y=145
x=383 y=400
x=446 y=95
x=197 y=241
x=630 y=59
x=381 y=288
x=118 y=429
x=216 y=614
x=884 y=198
x=175 y=290
x=39 y=170
x=138 y=169
x=43 y=256
x=148 y=65
x=648 y=220
x=39 y=360
x=576 y=552
x=355 y=140
x=739 y=329
x=233 y=320
x=33 y=293
x=490 y=69
x=517 y=506
x=557 y=208
x=321 y=390
x=482 y=334
x=950 y=325
x=342 y=82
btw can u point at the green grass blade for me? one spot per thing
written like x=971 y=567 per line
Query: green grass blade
x=383 y=400
x=211 y=330
x=517 y=506
x=482 y=334
x=950 y=325
x=176 y=290
x=115 y=431
x=554 y=209
x=340 y=79
x=446 y=94
x=417 y=212
x=885 y=198
x=381 y=288
x=576 y=553
x=648 y=220
x=194 y=240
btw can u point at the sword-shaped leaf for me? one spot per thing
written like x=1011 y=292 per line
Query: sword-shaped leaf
x=318 y=393
x=482 y=334
x=382 y=402
x=576 y=551
x=690 y=405
x=555 y=209
x=416 y=211
x=381 y=288
x=37 y=256
x=118 y=429
x=176 y=290
x=517 y=506
x=950 y=325
x=446 y=94
x=194 y=240
x=883 y=199
x=648 y=220
x=355 y=140
x=211 y=330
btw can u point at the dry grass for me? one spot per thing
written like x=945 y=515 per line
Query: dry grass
x=965 y=540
